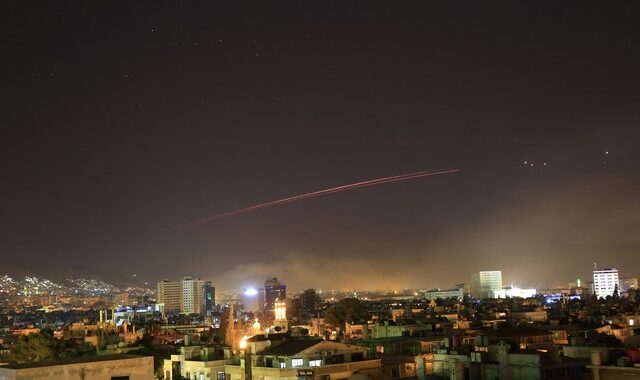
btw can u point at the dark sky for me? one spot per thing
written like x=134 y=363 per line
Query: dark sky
x=120 y=119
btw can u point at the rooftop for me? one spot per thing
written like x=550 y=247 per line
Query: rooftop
x=291 y=347
x=515 y=331
x=82 y=359
x=265 y=337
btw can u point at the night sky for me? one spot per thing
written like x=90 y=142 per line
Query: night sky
x=121 y=119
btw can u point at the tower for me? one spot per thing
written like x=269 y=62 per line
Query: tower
x=280 y=313
x=273 y=290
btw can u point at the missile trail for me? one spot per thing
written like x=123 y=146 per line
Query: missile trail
x=295 y=198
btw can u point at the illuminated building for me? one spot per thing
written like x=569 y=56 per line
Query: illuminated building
x=605 y=281
x=273 y=290
x=280 y=313
x=285 y=359
x=484 y=283
x=514 y=292
x=169 y=296
x=186 y=296
x=133 y=367
x=444 y=294
x=197 y=362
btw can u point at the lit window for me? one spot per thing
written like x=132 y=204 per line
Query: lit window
x=221 y=375
x=315 y=363
x=283 y=365
x=297 y=362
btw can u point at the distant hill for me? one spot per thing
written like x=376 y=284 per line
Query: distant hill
x=59 y=274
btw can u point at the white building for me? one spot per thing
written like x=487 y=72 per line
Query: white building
x=444 y=294
x=484 y=283
x=308 y=359
x=605 y=282
x=513 y=291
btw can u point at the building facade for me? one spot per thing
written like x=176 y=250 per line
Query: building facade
x=444 y=294
x=484 y=283
x=274 y=290
x=209 y=297
x=605 y=282
x=309 y=359
x=131 y=367
x=169 y=296
x=186 y=296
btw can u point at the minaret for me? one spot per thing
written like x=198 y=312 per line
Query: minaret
x=280 y=310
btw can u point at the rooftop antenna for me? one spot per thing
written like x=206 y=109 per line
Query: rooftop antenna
x=595 y=267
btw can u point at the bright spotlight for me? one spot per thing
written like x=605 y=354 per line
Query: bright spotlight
x=250 y=292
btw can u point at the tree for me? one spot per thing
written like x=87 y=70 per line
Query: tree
x=42 y=346
x=346 y=310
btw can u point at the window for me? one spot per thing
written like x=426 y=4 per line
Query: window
x=315 y=363
x=201 y=375
x=297 y=362
x=283 y=365
x=221 y=375
x=119 y=377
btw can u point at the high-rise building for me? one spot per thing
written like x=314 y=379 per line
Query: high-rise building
x=169 y=296
x=273 y=290
x=209 y=297
x=186 y=296
x=309 y=300
x=484 y=283
x=605 y=282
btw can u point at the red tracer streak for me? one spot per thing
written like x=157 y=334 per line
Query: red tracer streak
x=352 y=186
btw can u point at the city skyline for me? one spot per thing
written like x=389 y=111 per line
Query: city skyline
x=257 y=284
x=123 y=120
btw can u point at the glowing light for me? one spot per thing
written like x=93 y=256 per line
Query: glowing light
x=243 y=342
x=280 y=309
x=250 y=292
x=352 y=186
